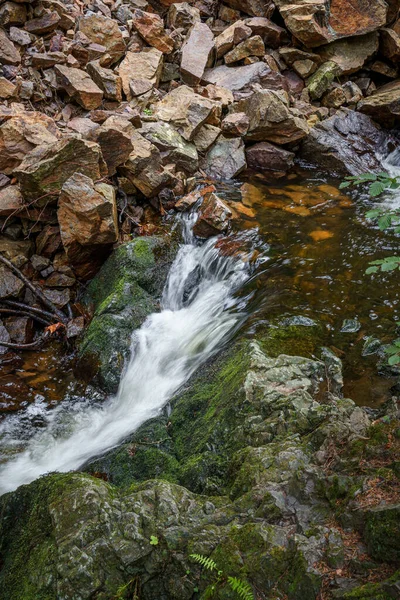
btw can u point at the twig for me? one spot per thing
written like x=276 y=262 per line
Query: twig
x=32 y=309
x=21 y=346
x=34 y=289
x=13 y=311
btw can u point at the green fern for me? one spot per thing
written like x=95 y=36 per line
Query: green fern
x=205 y=561
x=242 y=588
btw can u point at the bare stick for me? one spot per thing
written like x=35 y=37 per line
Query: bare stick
x=31 y=309
x=21 y=346
x=13 y=311
x=34 y=289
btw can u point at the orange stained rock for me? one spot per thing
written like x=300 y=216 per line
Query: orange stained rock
x=320 y=234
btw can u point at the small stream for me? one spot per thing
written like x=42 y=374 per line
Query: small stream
x=297 y=255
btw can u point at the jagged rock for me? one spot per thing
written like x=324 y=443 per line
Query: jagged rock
x=183 y=16
x=241 y=78
x=102 y=30
x=138 y=87
x=214 y=217
x=12 y=13
x=7 y=89
x=45 y=60
x=226 y=159
x=45 y=169
x=205 y=137
x=196 y=53
x=253 y=46
x=10 y=200
x=350 y=55
x=45 y=24
x=272 y=35
x=268 y=158
x=141 y=65
x=390 y=44
x=236 y=124
x=256 y=8
x=151 y=27
x=19 y=36
x=271 y=119
x=9 y=55
x=59 y=297
x=174 y=149
x=346 y=143
x=10 y=285
x=144 y=167
x=20 y=134
x=79 y=86
x=85 y=127
x=114 y=138
x=232 y=35
x=315 y=23
x=48 y=241
x=384 y=105
x=106 y=80
x=185 y=109
x=87 y=215
x=20 y=329
x=321 y=80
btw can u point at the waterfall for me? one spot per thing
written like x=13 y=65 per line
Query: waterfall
x=199 y=313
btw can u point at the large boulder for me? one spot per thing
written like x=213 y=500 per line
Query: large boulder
x=351 y=54
x=242 y=78
x=384 y=105
x=87 y=215
x=196 y=53
x=316 y=22
x=269 y=159
x=345 y=144
x=121 y=296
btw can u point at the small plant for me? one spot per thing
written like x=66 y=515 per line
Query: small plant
x=378 y=182
x=147 y=111
x=390 y=263
x=241 y=588
x=153 y=540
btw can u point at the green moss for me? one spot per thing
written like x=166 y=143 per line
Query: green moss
x=293 y=340
x=382 y=533
x=384 y=590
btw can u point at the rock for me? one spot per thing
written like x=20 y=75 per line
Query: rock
x=345 y=144
x=11 y=200
x=226 y=159
x=20 y=134
x=87 y=214
x=253 y=46
x=384 y=105
x=183 y=16
x=121 y=296
x=102 y=30
x=12 y=13
x=236 y=124
x=151 y=27
x=7 y=89
x=20 y=329
x=173 y=147
x=272 y=35
x=4 y=337
x=205 y=137
x=184 y=109
x=9 y=55
x=59 y=297
x=351 y=54
x=141 y=65
x=114 y=139
x=84 y=126
x=79 y=86
x=138 y=87
x=45 y=24
x=214 y=217
x=242 y=78
x=268 y=158
x=39 y=262
x=232 y=35
x=106 y=80
x=382 y=532
x=75 y=327
x=256 y=8
x=45 y=169
x=45 y=60
x=271 y=119
x=196 y=53
x=315 y=23
x=19 y=36
x=390 y=45
x=322 y=79
x=10 y=285
x=48 y=241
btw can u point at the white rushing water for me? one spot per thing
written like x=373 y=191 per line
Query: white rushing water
x=199 y=313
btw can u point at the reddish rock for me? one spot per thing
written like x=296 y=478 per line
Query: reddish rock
x=45 y=24
x=268 y=158
x=10 y=200
x=105 y=32
x=79 y=86
x=214 y=217
x=390 y=45
x=140 y=65
x=106 y=80
x=114 y=138
x=273 y=35
x=236 y=124
x=253 y=46
x=232 y=35
x=7 y=89
x=9 y=55
x=196 y=53
x=151 y=27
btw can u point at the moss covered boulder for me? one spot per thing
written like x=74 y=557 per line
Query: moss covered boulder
x=125 y=291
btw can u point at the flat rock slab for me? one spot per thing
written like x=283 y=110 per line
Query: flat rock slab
x=239 y=78
x=196 y=53
x=9 y=55
x=226 y=159
x=79 y=86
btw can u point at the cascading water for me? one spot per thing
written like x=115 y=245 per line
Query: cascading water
x=199 y=313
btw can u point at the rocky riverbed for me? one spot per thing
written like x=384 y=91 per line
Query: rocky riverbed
x=113 y=116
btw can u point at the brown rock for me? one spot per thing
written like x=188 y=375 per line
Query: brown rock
x=350 y=55
x=256 y=8
x=20 y=37
x=253 y=46
x=114 y=138
x=183 y=16
x=175 y=150
x=45 y=169
x=378 y=66
x=236 y=124
x=9 y=55
x=196 y=53
x=272 y=35
x=232 y=35
x=86 y=127
x=315 y=23
x=138 y=87
x=10 y=200
x=48 y=241
x=104 y=31
x=106 y=80
x=20 y=134
x=45 y=24
x=47 y=59
x=269 y=159
x=20 y=329
x=205 y=137
x=214 y=217
x=75 y=327
x=10 y=285
x=79 y=86
x=7 y=89
x=390 y=45
x=12 y=13
x=384 y=105
x=141 y=65
x=151 y=27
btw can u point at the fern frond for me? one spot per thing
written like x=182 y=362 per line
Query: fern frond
x=242 y=588
x=204 y=561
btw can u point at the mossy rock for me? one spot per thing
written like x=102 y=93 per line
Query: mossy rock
x=382 y=533
x=124 y=292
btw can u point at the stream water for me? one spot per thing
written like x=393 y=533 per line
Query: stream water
x=297 y=255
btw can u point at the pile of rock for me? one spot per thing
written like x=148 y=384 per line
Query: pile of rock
x=110 y=105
